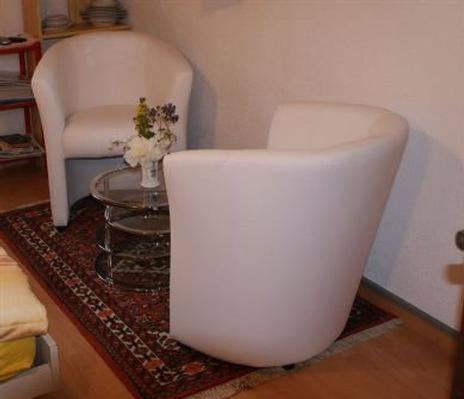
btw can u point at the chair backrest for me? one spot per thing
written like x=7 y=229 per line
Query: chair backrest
x=259 y=239
x=319 y=125
x=108 y=68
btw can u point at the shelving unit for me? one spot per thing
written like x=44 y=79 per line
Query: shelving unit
x=33 y=21
x=15 y=90
x=81 y=28
x=30 y=52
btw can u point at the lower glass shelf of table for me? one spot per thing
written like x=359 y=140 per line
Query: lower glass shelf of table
x=138 y=265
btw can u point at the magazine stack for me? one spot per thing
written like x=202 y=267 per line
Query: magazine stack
x=17 y=146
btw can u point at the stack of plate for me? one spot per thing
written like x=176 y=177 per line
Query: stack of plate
x=56 y=22
x=104 y=13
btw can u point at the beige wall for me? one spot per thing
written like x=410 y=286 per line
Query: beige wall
x=10 y=17
x=407 y=55
x=11 y=23
x=404 y=55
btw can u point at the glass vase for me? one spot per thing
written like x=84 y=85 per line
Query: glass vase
x=149 y=175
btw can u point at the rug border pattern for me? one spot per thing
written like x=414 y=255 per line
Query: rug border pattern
x=220 y=390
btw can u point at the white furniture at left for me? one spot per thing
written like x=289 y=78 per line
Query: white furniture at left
x=87 y=89
x=23 y=326
x=41 y=379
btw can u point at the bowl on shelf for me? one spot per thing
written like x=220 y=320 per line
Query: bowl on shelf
x=102 y=13
x=105 y=3
x=56 y=22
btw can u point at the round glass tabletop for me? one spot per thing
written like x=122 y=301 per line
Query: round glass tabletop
x=121 y=188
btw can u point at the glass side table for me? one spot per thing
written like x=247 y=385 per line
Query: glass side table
x=135 y=239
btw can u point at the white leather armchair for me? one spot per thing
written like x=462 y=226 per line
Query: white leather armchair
x=87 y=89
x=268 y=246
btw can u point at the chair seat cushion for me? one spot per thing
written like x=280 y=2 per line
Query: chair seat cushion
x=89 y=133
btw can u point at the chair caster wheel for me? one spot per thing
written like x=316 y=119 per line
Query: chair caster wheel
x=289 y=367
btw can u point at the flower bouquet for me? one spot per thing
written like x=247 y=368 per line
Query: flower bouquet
x=152 y=139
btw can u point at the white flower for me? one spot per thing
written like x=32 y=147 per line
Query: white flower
x=136 y=150
x=144 y=151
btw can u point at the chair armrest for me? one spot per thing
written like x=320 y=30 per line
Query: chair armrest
x=50 y=100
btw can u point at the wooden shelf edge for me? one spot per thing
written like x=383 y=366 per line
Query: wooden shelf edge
x=16 y=48
x=6 y=106
x=4 y=160
x=78 y=29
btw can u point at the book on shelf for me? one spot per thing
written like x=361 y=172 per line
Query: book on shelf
x=16 y=146
x=13 y=88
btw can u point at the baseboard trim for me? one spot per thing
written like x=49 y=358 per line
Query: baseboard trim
x=408 y=306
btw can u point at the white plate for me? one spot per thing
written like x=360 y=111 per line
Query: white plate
x=57 y=28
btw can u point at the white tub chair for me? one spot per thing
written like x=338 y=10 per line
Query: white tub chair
x=269 y=246
x=87 y=88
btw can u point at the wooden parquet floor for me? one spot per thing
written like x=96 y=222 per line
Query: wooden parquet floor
x=22 y=183
x=414 y=360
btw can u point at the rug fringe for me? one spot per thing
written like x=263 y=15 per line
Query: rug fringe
x=260 y=376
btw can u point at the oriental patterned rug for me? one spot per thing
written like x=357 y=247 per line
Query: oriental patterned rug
x=130 y=330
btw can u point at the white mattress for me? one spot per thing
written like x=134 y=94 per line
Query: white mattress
x=21 y=313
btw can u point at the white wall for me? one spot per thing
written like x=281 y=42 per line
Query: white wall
x=404 y=55
x=11 y=23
